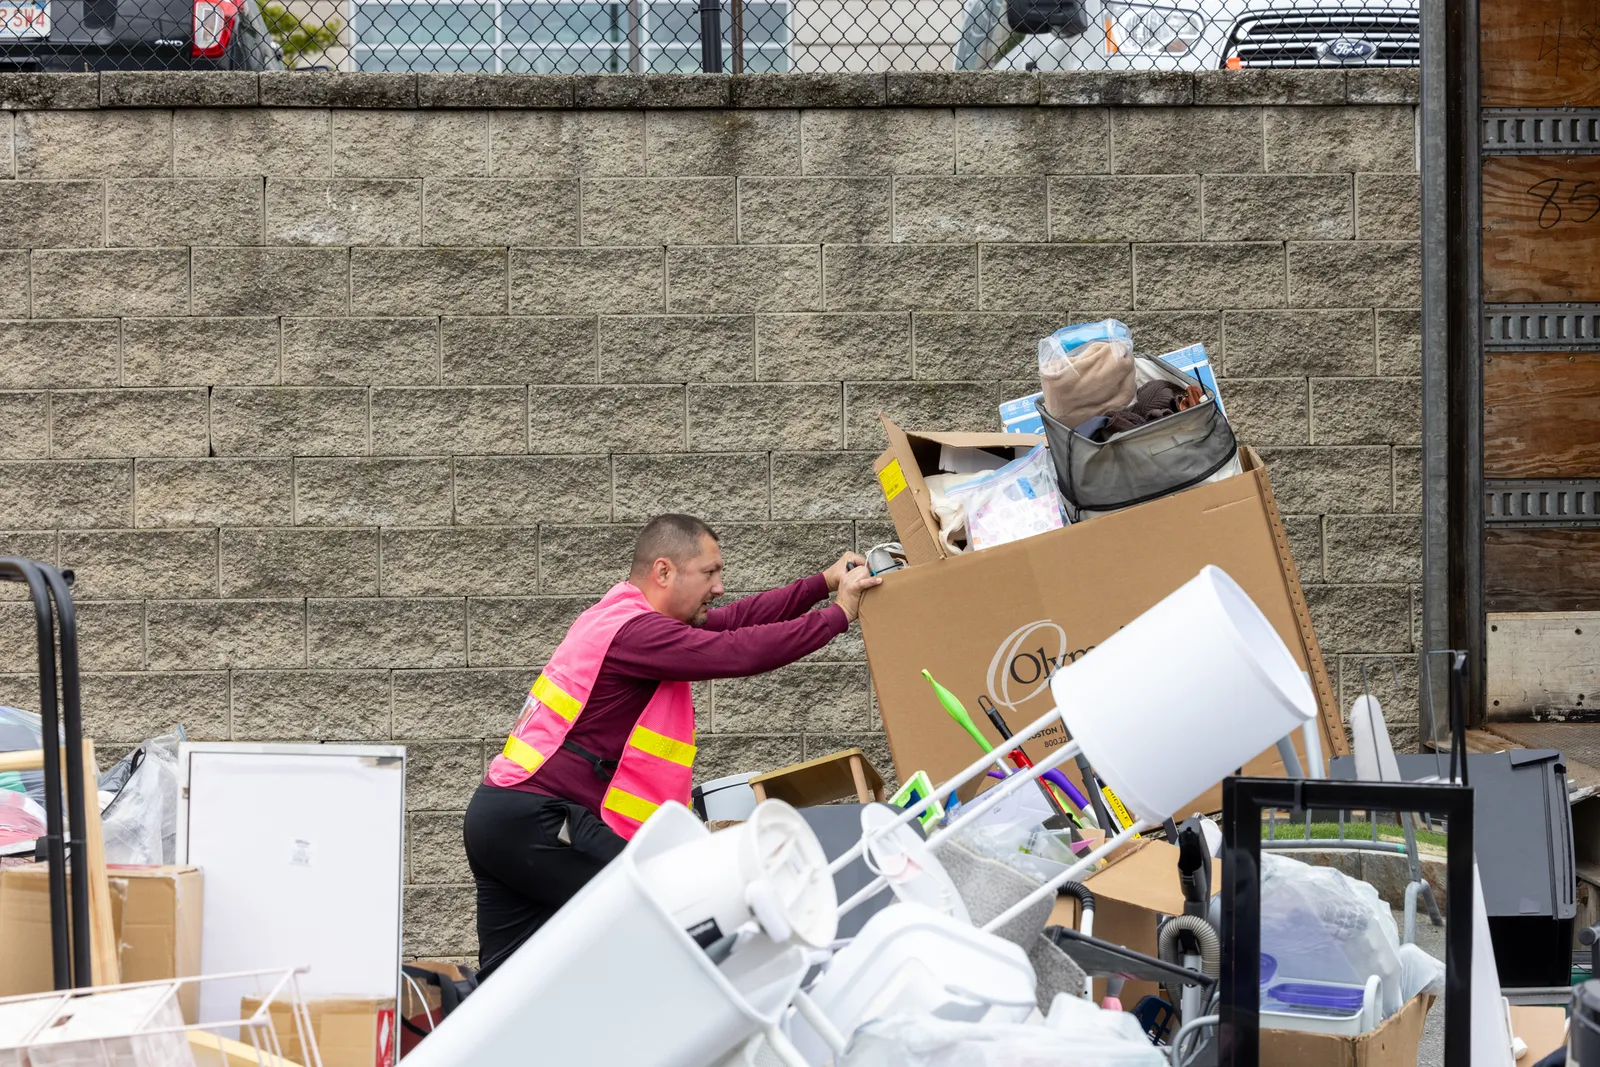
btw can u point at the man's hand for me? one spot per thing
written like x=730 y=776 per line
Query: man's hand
x=851 y=586
x=835 y=573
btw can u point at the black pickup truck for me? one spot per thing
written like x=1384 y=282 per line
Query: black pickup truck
x=85 y=35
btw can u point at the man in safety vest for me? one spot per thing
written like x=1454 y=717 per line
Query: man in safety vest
x=606 y=734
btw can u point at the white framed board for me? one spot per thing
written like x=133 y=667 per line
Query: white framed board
x=302 y=850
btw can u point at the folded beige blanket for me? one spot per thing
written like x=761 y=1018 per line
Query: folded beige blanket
x=1098 y=379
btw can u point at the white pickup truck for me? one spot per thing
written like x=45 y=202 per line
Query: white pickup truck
x=1187 y=34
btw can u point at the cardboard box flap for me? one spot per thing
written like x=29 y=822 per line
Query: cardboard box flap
x=1146 y=876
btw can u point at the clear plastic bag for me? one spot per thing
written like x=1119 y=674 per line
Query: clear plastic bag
x=1086 y=370
x=1016 y=501
x=141 y=822
x=927 y=1041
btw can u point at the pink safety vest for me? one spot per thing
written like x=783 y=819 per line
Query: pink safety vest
x=655 y=763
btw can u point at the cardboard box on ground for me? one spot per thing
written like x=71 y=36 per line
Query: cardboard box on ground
x=155 y=913
x=994 y=625
x=350 y=1031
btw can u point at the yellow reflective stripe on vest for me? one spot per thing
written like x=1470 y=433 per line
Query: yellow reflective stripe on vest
x=626 y=804
x=556 y=699
x=679 y=752
x=522 y=754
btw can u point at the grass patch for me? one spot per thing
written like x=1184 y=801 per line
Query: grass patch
x=1427 y=840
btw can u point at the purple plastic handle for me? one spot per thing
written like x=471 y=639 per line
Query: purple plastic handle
x=1060 y=781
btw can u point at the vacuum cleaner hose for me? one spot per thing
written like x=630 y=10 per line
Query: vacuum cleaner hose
x=1079 y=890
x=1203 y=931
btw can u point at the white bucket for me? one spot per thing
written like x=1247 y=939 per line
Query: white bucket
x=729 y=799
x=1183 y=695
x=770 y=868
x=612 y=979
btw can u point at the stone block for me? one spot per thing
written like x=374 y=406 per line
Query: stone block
x=766 y=416
x=813 y=89
x=360 y=351
x=388 y=632
x=803 y=696
x=1400 y=343
x=339 y=88
x=226 y=634
x=1186 y=140
x=1305 y=545
x=606 y=418
x=717 y=486
x=518 y=351
x=658 y=211
x=1385 y=85
x=814 y=210
x=1374 y=548
x=833 y=347
x=1046 y=277
x=1316 y=140
x=460 y=89
x=584 y=560
x=344 y=211
x=42 y=354
x=1389 y=207
x=979 y=345
x=459 y=703
x=449 y=421
x=130 y=707
x=35 y=544
x=567 y=144
x=900 y=277
x=1274 y=207
x=1032 y=141
x=111 y=633
x=1330 y=480
x=914 y=406
x=96 y=493
x=438 y=922
x=1209 y=275
x=1369 y=273
x=1121 y=88
x=1408 y=479
x=428 y=281
x=461 y=560
x=71 y=284
x=1094 y=208
x=677 y=348
x=21 y=91
x=93 y=144
x=249 y=143
x=518 y=631
x=310 y=705
x=1361 y=618
x=1393 y=680
x=144 y=212
x=707 y=143
x=179 y=88
x=299 y=563
x=498 y=211
x=271 y=281
x=103 y=423
x=825 y=485
x=557 y=281
x=436 y=852
x=969 y=208
x=769 y=554
x=138 y=564
x=963 y=88
x=372 y=492
x=525 y=490
x=724 y=754
x=1268 y=86
x=15 y=292
x=750 y=278
x=214 y=492
x=901 y=141
x=288 y=422
x=665 y=90
x=1299 y=342
x=874 y=745
x=442 y=775
x=52 y=214
x=1362 y=411
x=26 y=417
x=1269 y=411
x=410 y=144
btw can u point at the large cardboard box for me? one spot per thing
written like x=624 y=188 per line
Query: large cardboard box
x=155 y=913
x=993 y=626
x=350 y=1031
x=1394 y=1043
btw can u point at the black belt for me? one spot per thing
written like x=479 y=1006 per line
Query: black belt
x=604 y=769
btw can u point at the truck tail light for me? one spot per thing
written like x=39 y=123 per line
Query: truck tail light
x=213 y=26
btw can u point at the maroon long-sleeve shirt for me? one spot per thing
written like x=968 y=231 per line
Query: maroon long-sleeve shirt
x=749 y=636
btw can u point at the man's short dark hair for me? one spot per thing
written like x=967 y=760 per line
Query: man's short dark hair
x=675 y=537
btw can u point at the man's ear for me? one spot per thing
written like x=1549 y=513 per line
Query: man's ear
x=661 y=571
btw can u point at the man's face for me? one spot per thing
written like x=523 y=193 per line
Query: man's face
x=695 y=584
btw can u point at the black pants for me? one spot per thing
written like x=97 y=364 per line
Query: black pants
x=524 y=866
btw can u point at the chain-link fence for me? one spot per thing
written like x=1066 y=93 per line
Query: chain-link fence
x=734 y=36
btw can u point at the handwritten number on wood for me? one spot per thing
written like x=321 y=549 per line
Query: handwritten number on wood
x=1550 y=213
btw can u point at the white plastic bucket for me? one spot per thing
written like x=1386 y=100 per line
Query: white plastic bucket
x=1183 y=695
x=771 y=868
x=729 y=799
x=612 y=979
